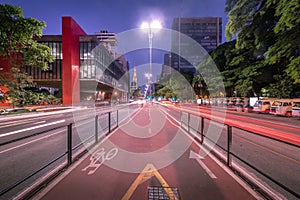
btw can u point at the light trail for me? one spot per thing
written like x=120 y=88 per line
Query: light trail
x=27 y=143
x=31 y=128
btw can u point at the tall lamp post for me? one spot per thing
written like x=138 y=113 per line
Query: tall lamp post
x=150 y=28
x=148 y=76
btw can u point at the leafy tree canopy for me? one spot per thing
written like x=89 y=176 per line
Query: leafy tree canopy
x=266 y=51
x=17 y=38
x=18 y=46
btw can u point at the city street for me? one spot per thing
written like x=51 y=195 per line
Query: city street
x=149 y=151
x=154 y=128
x=136 y=100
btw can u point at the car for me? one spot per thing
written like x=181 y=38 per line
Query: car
x=3 y=111
x=99 y=103
x=296 y=108
x=263 y=106
x=282 y=107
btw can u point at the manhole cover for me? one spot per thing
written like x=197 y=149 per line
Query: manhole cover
x=157 y=193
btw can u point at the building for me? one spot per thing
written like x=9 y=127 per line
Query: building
x=207 y=31
x=85 y=67
x=166 y=67
x=133 y=84
x=109 y=41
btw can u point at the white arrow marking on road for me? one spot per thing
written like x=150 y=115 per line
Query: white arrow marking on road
x=31 y=128
x=198 y=158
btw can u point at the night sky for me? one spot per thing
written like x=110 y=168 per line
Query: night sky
x=118 y=16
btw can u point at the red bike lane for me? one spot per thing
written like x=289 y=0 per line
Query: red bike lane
x=148 y=157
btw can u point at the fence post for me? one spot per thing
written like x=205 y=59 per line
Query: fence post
x=109 y=120
x=180 y=117
x=96 y=129
x=69 y=147
x=202 y=130
x=117 y=118
x=229 y=144
x=188 y=122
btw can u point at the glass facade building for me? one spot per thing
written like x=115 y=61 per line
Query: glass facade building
x=99 y=70
x=100 y=74
x=206 y=31
x=53 y=76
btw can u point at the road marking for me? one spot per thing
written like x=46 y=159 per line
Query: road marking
x=32 y=122
x=176 y=125
x=148 y=172
x=31 y=128
x=32 y=141
x=26 y=122
x=98 y=158
x=197 y=157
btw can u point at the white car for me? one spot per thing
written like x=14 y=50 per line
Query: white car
x=3 y=111
x=296 y=108
x=282 y=107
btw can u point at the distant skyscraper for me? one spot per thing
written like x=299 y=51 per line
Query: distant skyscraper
x=166 y=67
x=207 y=31
x=133 y=84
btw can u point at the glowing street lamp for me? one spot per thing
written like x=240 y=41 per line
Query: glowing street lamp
x=148 y=76
x=150 y=28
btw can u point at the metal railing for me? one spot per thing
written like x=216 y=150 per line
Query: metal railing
x=185 y=121
x=113 y=123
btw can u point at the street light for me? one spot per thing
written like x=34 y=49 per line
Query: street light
x=150 y=28
x=148 y=76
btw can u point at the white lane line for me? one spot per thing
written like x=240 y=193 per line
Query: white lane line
x=23 y=123
x=31 y=128
x=13 y=122
x=195 y=156
x=19 y=121
x=32 y=141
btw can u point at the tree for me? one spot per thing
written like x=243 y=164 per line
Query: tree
x=17 y=92
x=16 y=37
x=137 y=93
x=166 y=92
x=286 y=49
x=267 y=47
x=18 y=48
x=279 y=89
